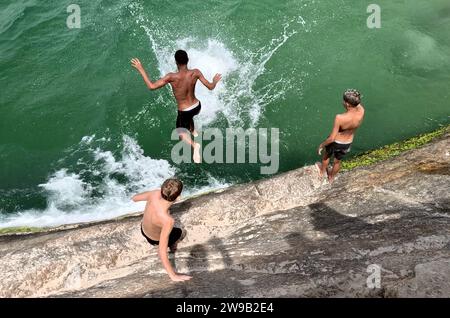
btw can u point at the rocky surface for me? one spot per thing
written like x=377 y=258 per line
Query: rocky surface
x=287 y=236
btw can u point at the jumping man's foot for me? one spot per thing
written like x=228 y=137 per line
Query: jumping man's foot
x=195 y=133
x=196 y=157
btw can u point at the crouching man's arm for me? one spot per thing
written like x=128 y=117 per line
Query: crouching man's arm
x=162 y=251
x=144 y=196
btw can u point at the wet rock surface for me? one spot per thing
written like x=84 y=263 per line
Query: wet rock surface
x=288 y=236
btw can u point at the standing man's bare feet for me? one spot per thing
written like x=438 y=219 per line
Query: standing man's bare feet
x=319 y=169
x=196 y=156
x=330 y=176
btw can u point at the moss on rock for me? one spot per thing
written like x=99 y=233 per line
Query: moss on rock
x=393 y=150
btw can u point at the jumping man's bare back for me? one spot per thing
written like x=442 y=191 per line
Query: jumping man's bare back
x=183 y=86
x=182 y=82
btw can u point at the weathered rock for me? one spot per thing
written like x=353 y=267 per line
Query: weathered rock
x=287 y=236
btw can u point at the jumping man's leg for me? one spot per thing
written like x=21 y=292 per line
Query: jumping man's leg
x=192 y=128
x=187 y=139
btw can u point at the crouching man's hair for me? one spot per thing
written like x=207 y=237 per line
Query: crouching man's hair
x=171 y=189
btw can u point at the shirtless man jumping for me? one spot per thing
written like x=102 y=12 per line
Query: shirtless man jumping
x=157 y=224
x=183 y=86
x=340 y=140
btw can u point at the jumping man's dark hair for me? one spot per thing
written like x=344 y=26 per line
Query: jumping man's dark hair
x=181 y=57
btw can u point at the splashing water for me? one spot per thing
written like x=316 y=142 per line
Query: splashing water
x=93 y=183
x=102 y=186
x=235 y=97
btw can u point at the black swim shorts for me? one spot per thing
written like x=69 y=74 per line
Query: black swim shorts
x=185 y=119
x=174 y=236
x=338 y=150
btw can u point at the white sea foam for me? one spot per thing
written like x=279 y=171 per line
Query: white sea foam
x=72 y=199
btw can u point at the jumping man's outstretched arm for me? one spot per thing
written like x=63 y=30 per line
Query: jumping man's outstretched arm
x=205 y=82
x=151 y=85
x=332 y=136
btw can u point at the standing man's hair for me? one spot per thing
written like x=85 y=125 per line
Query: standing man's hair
x=181 y=57
x=171 y=189
x=352 y=97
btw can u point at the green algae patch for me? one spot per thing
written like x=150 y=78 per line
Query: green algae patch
x=16 y=230
x=393 y=150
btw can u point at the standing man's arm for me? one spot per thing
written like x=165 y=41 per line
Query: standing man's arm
x=158 y=84
x=162 y=251
x=205 y=82
x=332 y=137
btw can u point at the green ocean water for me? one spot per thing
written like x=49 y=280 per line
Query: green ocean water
x=80 y=133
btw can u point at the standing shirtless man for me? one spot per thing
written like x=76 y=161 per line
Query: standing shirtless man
x=183 y=87
x=157 y=223
x=340 y=140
